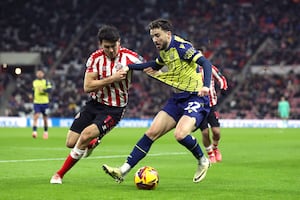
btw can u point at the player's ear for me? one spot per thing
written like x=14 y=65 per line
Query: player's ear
x=119 y=42
x=169 y=34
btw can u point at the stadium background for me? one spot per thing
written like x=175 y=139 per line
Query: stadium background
x=254 y=43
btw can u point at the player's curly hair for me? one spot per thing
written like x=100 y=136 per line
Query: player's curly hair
x=164 y=24
x=109 y=33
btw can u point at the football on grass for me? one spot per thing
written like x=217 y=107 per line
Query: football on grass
x=146 y=178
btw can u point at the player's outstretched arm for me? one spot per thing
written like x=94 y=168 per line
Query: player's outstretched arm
x=142 y=66
x=207 y=70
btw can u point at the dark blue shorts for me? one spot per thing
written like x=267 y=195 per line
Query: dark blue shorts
x=41 y=108
x=187 y=103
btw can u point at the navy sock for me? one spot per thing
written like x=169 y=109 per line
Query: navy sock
x=34 y=128
x=139 y=151
x=192 y=145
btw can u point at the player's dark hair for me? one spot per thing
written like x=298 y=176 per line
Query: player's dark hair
x=109 y=33
x=202 y=49
x=164 y=24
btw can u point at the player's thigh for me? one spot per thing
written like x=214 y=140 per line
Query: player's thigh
x=72 y=138
x=205 y=133
x=36 y=115
x=91 y=131
x=162 y=123
x=185 y=126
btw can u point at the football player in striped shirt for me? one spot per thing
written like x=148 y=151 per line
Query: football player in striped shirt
x=107 y=84
x=212 y=119
x=185 y=109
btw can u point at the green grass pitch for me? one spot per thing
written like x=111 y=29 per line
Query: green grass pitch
x=257 y=164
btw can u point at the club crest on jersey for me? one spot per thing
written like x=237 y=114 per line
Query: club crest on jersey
x=118 y=66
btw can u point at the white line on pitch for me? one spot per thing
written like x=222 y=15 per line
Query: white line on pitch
x=94 y=157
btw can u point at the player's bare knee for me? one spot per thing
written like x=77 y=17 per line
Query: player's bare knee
x=179 y=135
x=85 y=136
x=216 y=137
x=205 y=132
x=88 y=134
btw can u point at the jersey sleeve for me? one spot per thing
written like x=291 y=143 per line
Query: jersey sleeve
x=218 y=76
x=134 y=59
x=91 y=64
x=187 y=52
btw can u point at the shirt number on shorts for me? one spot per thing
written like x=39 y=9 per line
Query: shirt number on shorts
x=194 y=106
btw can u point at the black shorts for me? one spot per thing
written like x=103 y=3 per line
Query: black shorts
x=105 y=117
x=212 y=119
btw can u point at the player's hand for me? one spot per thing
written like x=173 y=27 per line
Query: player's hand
x=150 y=71
x=121 y=74
x=30 y=96
x=203 y=91
x=125 y=68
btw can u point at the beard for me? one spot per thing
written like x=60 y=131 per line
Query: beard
x=162 y=46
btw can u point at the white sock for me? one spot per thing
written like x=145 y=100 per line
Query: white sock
x=125 y=168
x=203 y=159
x=76 y=153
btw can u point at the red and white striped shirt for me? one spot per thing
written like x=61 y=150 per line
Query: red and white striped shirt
x=216 y=76
x=115 y=94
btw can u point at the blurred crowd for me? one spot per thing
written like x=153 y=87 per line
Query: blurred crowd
x=231 y=31
x=259 y=95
